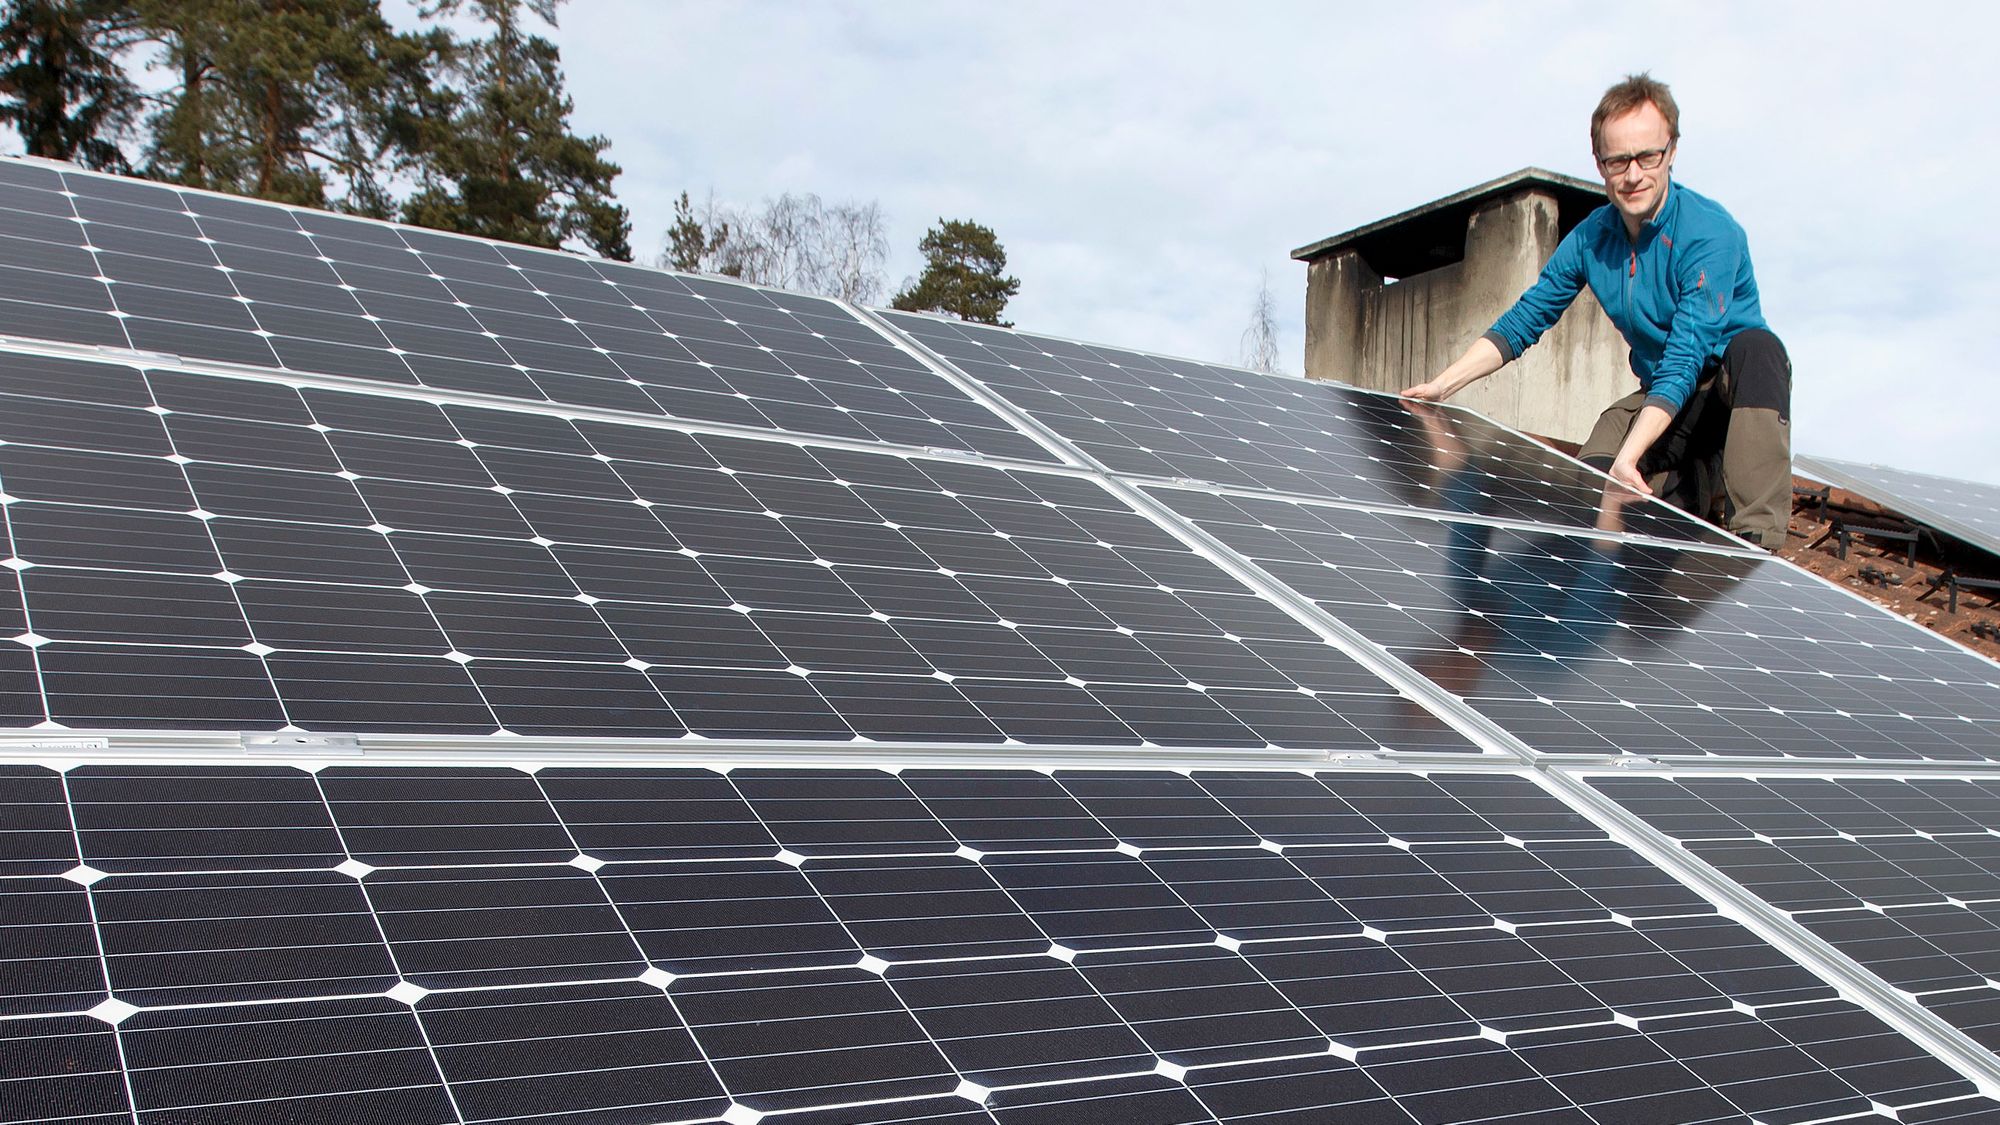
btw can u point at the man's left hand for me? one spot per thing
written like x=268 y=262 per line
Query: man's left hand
x=1627 y=473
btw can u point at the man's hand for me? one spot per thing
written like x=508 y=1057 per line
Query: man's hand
x=1646 y=429
x=1627 y=473
x=1479 y=361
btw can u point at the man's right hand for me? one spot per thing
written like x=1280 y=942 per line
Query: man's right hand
x=1483 y=358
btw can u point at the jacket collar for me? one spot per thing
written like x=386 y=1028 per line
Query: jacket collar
x=1663 y=219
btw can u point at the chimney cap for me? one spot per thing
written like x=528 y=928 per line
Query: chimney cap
x=1400 y=241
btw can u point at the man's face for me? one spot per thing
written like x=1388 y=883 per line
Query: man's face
x=1635 y=191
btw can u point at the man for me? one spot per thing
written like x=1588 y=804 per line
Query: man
x=1672 y=270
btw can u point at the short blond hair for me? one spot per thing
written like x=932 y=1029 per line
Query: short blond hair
x=1636 y=90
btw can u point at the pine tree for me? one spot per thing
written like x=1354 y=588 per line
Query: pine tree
x=502 y=162
x=964 y=274
x=692 y=242
x=61 y=85
x=284 y=99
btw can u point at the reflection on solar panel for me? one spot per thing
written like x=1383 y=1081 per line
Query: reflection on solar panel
x=100 y=260
x=898 y=747
x=1587 y=646
x=1155 y=416
x=1962 y=508
x=1903 y=875
x=640 y=945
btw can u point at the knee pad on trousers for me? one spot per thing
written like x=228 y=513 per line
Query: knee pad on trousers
x=1760 y=371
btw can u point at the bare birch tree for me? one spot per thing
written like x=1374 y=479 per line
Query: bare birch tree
x=798 y=242
x=1259 y=344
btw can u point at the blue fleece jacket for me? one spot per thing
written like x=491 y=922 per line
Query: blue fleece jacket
x=1678 y=293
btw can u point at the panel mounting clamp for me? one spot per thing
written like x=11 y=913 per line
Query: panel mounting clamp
x=114 y=351
x=301 y=744
x=30 y=740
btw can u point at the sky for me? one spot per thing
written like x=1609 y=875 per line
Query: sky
x=1144 y=164
x=1148 y=165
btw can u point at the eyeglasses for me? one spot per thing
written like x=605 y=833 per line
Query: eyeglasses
x=1649 y=160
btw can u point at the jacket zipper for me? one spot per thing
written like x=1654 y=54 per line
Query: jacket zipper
x=1631 y=272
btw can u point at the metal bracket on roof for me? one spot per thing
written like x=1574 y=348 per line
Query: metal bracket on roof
x=314 y=744
x=941 y=451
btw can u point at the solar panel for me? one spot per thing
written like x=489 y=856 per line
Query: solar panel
x=610 y=943
x=1901 y=874
x=901 y=746
x=106 y=261
x=324 y=560
x=1966 y=509
x=1586 y=646
x=1155 y=416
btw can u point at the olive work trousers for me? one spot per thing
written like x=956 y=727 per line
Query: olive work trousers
x=1733 y=439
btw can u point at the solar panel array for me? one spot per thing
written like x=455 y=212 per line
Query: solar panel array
x=1966 y=509
x=770 y=710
